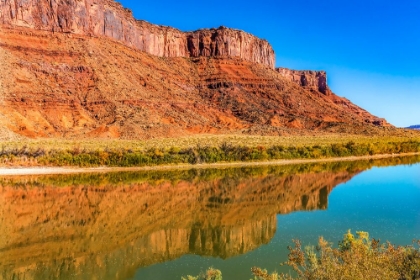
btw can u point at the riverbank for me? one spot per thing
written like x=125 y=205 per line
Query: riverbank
x=21 y=171
x=102 y=156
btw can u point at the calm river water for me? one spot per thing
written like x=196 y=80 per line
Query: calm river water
x=164 y=225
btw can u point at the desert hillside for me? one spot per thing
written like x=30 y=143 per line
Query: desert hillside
x=102 y=74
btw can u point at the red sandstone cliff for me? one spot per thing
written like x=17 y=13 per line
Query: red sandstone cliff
x=66 y=85
x=62 y=76
x=315 y=80
x=225 y=42
x=109 y=19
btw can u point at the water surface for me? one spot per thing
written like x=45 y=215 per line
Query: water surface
x=162 y=225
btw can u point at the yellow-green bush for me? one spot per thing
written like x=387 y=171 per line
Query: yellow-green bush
x=357 y=257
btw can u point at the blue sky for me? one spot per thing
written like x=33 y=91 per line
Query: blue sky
x=369 y=48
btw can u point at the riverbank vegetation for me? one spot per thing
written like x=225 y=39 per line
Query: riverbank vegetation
x=356 y=257
x=198 y=150
x=173 y=176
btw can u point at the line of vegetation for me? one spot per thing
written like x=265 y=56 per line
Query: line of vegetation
x=208 y=140
x=199 y=175
x=226 y=152
x=355 y=258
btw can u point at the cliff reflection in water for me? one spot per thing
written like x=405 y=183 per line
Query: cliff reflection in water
x=106 y=226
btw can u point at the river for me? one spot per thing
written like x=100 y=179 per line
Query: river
x=167 y=224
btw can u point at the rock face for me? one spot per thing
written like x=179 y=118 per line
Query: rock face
x=224 y=42
x=73 y=69
x=109 y=19
x=75 y=86
x=315 y=80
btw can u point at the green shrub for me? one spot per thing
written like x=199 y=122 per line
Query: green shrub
x=357 y=257
x=210 y=274
x=226 y=152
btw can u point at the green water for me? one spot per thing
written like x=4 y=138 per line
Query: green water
x=163 y=225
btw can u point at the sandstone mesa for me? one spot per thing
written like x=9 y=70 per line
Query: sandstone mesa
x=109 y=19
x=89 y=69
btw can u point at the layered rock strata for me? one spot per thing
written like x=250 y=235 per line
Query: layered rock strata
x=108 y=18
x=315 y=80
x=225 y=42
x=62 y=76
x=71 y=86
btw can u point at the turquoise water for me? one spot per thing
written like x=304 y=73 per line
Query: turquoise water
x=164 y=225
x=383 y=201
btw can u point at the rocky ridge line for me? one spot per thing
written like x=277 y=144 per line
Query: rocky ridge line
x=110 y=19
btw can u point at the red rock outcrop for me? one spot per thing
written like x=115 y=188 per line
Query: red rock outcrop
x=62 y=76
x=108 y=18
x=225 y=42
x=74 y=86
x=315 y=80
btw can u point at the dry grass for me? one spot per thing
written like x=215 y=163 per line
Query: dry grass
x=205 y=141
x=199 y=149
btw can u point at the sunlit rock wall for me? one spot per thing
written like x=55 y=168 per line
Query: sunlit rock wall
x=108 y=18
x=316 y=80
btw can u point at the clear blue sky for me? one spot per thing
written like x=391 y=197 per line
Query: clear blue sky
x=369 y=48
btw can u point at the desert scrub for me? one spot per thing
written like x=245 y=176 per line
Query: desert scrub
x=226 y=152
x=356 y=257
x=205 y=140
x=210 y=274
